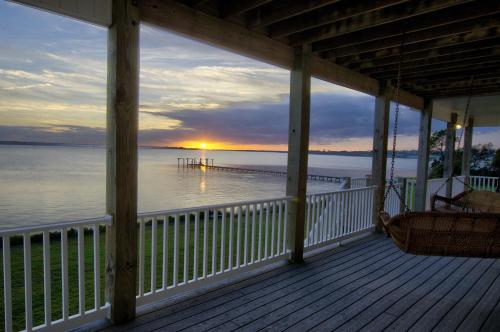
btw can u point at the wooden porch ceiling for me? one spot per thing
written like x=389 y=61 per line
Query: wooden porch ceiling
x=445 y=42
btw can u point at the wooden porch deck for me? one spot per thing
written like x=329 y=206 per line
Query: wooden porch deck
x=368 y=285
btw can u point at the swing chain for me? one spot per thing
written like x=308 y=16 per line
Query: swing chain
x=392 y=186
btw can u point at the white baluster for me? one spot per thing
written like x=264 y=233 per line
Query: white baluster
x=81 y=271
x=27 y=283
x=154 y=254
x=7 y=285
x=46 y=279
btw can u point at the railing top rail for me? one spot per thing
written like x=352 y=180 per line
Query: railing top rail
x=340 y=191
x=208 y=207
x=359 y=178
x=105 y=220
x=483 y=177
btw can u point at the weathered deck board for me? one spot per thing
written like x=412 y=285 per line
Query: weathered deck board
x=459 y=312
x=439 y=310
x=263 y=294
x=368 y=285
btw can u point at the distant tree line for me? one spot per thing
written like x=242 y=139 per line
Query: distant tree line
x=485 y=159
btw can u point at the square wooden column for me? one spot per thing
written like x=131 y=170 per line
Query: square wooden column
x=121 y=174
x=467 y=153
x=298 y=148
x=449 y=152
x=379 y=159
x=423 y=155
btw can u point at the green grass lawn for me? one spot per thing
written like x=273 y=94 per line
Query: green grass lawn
x=17 y=263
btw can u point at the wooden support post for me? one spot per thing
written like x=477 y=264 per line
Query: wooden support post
x=423 y=155
x=369 y=180
x=467 y=153
x=347 y=183
x=379 y=159
x=402 y=194
x=449 y=153
x=298 y=149
x=121 y=174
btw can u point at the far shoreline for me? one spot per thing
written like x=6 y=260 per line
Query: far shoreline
x=410 y=154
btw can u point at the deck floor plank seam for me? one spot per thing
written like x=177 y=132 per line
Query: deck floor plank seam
x=303 y=308
x=370 y=243
x=405 y=303
x=366 y=285
x=323 y=310
x=263 y=294
x=333 y=320
x=454 y=318
x=289 y=295
x=297 y=274
x=492 y=323
x=480 y=313
x=416 y=311
x=367 y=311
x=435 y=313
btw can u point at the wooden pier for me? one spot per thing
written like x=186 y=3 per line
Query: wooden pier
x=198 y=162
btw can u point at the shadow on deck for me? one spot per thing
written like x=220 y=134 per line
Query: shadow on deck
x=367 y=285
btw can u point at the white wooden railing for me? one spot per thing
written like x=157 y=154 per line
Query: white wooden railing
x=61 y=302
x=359 y=182
x=180 y=249
x=435 y=186
x=333 y=216
x=487 y=183
x=411 y=185
x=177 y=250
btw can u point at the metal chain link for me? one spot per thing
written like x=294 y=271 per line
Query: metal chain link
x=395 y=130
x=466 y=113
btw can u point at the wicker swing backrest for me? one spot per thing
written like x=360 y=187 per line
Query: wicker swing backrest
x=469 y=201
x=446 y=234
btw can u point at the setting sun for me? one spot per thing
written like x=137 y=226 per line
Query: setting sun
x=203 y=145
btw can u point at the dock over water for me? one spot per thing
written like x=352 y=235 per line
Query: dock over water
x=209 y=164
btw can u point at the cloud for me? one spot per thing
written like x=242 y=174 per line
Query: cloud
x=334 y=117
x=54 y=134
x=53 y=88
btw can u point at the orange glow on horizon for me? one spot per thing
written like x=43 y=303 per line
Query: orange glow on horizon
x=213 y=145
x=205 y=144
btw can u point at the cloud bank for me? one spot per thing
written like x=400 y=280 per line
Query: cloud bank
x=53 y=89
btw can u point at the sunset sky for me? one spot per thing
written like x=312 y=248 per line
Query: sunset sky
x=53 y=89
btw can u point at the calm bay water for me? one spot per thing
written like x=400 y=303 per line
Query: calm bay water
x=40 y=184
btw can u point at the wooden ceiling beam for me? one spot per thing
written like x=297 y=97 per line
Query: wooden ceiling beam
x=195 y=3
x=425 y=49
x=482 y=71
x=461 y=93
x=327 y=15
x=449 y=79
x=221 y=33
x=455 y=85
x=411 y=16
x=453 y=52
x=469 y=56
x=358 y=42
x=284 y=10
x=426 y=67
x=232 y=8
x=423 y=72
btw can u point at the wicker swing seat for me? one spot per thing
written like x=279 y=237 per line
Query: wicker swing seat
x=460 y=234
x=468 y=201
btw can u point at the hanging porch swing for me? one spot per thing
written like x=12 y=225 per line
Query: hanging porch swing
x=472 y=230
